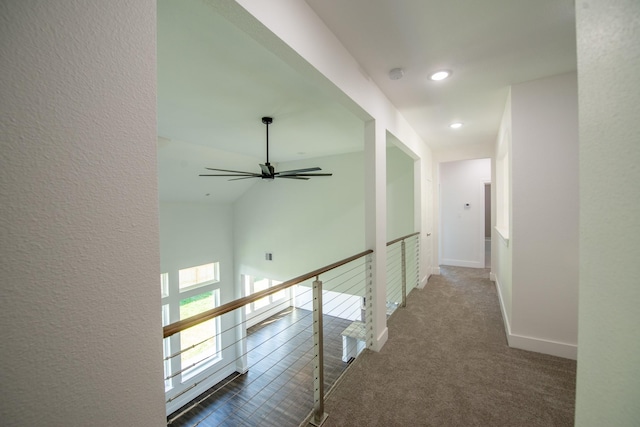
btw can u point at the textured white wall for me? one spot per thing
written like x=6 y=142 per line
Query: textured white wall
x=79 y=259
x=608 y=386
x=462 y=229
x=544 y=222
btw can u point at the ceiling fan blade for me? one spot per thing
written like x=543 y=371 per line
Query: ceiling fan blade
x=247 y=174
x=227 y=170
x=291 y=177
x=308 y=174
x=295 y=171
x=246 y=177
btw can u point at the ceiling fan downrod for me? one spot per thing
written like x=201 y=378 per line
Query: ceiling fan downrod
x=267 y=121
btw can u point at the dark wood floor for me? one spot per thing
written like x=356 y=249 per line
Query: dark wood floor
x=278 y=388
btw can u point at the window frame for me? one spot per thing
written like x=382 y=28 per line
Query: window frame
x=171 y=297
x=248 y=285
x=197 y=285
x=190 y=373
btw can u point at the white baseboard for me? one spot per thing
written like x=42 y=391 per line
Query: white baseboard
x=554 y=348
x=461 y=263
x=538 y=345
x=505 y=318
x=492 y=276
x=423 y=282
x=381 y=341
x=202 y=386
x=435 y=270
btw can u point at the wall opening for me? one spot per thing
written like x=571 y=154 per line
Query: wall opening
x=462 y=212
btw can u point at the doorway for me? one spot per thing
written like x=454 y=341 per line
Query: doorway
x=462 y=212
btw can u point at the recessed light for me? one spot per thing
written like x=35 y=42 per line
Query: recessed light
x=440 y=75
x=456 y=125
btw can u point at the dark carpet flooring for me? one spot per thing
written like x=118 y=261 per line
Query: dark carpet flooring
x=447 y=363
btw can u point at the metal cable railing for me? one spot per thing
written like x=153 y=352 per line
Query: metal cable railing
x=279 y=368
x=403 y=273
x=278 y=360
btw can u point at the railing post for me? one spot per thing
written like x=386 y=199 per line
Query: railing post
x=369 y=302
x=318 y=367
x=242 y=365
x=417 y=249
x=404 y=274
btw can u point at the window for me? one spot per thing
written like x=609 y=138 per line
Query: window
x=261 y=285
x=257 y=284
x=166 y=350
x=202 y=342
x=200 y=275
x=191 y=354
x=164 y=285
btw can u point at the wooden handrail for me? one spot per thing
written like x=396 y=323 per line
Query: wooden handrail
x=402 y=238
x=189 y=322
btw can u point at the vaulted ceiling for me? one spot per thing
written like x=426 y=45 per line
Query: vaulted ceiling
x=215 y=81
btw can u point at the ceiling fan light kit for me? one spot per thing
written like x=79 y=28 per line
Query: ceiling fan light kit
x=268 y=172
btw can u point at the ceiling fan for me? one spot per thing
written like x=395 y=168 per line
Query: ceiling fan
x=268 y=171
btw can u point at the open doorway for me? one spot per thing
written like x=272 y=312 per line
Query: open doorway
x=462 y=212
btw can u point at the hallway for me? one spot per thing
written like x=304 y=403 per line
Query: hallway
x=447 y=363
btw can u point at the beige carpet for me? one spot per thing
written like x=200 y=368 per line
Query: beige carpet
x=447 y=363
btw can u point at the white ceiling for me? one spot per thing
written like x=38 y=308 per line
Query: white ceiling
x=215 y=82
x=488 y=45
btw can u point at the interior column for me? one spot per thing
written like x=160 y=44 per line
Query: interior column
x=376 y=223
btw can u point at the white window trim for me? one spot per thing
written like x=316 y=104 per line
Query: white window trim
x=254 y=315
x=216 y=279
